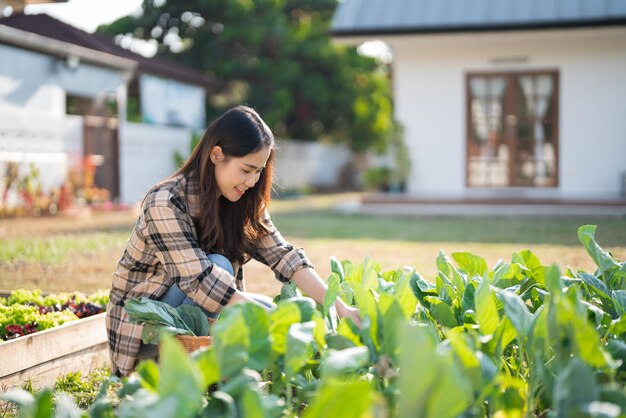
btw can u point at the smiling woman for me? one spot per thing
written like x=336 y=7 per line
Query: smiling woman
x=198 y=227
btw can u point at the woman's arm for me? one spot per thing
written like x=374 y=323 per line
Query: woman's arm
x=309 y=282
x=241 y=297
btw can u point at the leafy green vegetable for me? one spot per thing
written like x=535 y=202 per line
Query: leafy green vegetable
x=157 y=316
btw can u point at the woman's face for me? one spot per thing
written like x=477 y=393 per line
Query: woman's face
x=235 y=175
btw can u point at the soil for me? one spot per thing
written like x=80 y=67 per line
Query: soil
x=92 y=272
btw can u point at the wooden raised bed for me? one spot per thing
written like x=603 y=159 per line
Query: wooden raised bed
x=75 y=346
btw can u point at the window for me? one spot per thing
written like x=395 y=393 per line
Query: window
x=512 y=135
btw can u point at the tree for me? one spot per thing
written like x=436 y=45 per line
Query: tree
x=278 y=57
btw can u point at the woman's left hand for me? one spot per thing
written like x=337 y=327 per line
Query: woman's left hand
x=346 y=311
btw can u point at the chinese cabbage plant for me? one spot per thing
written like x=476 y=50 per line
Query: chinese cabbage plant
x=520 y=339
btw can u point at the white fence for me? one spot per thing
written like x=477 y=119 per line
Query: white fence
x=147 y=156
x=302 y=164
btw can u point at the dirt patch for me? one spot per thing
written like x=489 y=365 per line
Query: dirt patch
x=79 y=221
x=90 y=272
x=93 y=272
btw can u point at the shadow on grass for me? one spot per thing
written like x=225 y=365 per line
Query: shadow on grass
x=611 y=231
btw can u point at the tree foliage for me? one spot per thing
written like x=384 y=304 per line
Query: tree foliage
x=278 y=57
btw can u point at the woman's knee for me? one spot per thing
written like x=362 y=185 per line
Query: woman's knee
x=221 y=261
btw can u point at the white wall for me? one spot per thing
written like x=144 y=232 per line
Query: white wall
x=147 y=156
x=302 y=164
x=39 y=82
x=429 y=87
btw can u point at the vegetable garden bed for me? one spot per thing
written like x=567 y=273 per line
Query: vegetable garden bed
x=41 y=357
x=520 y=339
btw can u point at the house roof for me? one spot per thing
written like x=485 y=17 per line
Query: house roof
x=49 y=27
x=377 y=17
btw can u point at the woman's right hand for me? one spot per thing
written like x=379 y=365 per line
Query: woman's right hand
x=346 y=311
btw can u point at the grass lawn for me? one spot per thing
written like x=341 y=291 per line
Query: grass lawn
x=514 y=230
x=62 y=254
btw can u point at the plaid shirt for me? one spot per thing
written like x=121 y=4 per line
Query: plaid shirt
x=163 y=249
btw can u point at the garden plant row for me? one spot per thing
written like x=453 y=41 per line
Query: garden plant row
x=24 y=311
x=519 y=339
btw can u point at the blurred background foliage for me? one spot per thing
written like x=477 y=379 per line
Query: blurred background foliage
x=277 y=56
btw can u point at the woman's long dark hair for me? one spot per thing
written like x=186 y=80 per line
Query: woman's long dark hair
x=223 y=226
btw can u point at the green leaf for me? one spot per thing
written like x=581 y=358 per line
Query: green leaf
x=472 y=264
x=464 y=352
x=253 y=403
x=221 y=404
x=467 y=303
x=385 y=287
x=306 y=305
x=149 y=374
x=392 y=316
x=421 y=288
x=618 y=326
x=231 y=340
x=148 y=311
x=469 y=360
x=553 y=280
x=368 y=306
x=348 y=332
x=337 y=268
x=507 y=275
x=180 y=379
x=442 y=312
x=345 y=293
x=343 y=362
x=195 y=319
x=364 y=275
x=575 y=386
x=340 y=342
x=206 y=361
x=604 y=261
x=617 y=349
x=516 y=311
x=486 y=309
x=288 y=290
x=339 y=398
x=530 y=261
x=258 y=327
x=281 y=318
x=445 y=290
x=240 y=382
x=299 y=341
x=130 y=387
x=332 y=292
x=619 y=301
x=403 y=294
x=595 y=284
x=151 y=333
x=434 y=387
x=445 y=267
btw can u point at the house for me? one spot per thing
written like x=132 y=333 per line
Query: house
x=62 y=91
x=504 y=99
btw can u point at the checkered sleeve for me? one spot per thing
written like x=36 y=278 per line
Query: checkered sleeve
x=273 y=251
x=177 y=248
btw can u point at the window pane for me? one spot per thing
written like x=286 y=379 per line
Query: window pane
x=488 y=156
x=535 y=152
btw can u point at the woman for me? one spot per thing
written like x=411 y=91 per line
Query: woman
x=198 y=227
